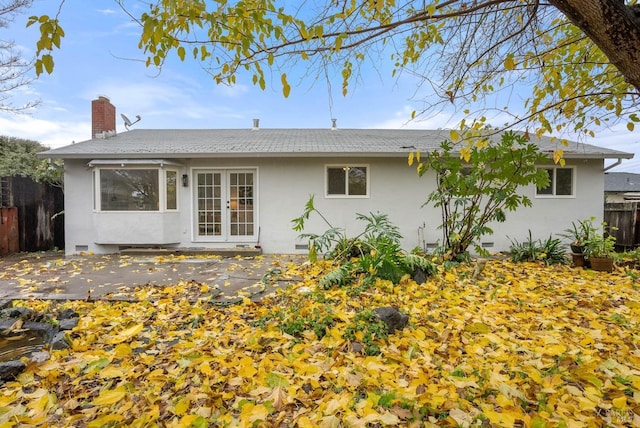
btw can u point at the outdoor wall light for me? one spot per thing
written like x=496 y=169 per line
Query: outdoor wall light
x=185 y=180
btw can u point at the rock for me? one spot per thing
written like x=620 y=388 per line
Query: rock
x=419 y=276
x=357 y=347
x=59 y=341
x=9 y=370
x=67 y=323
x=394 y=319
x=67 y=314
x=6 y=303
x=16 y=312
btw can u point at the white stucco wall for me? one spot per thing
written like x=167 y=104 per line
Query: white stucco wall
x=284 y=186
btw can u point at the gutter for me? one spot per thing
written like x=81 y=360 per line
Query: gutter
x=613 y=165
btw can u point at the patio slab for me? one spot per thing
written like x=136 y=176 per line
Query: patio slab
x=54 y=276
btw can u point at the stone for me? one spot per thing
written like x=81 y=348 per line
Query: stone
x=9 y=370
x=419 y=276
x=67 y=314
x=59 y=341
x=357 y=347
x=67 y=323
x=16 y=312
x=394 y=319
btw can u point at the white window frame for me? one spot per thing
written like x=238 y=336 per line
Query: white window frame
x=162 y=188
x=345 y=167
x=553 y=183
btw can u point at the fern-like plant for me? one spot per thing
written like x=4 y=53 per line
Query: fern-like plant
x=374 y=253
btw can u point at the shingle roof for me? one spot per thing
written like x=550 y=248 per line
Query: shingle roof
x=190 y=143
x=621 y=182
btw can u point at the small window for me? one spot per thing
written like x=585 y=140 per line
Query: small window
x=560 y=182
x=347 y=181
x=172 y=190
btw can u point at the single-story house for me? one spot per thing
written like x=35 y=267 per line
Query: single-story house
x=621 y=187
x=221 y=188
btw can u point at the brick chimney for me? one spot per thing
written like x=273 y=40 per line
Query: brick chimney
x=103 y=117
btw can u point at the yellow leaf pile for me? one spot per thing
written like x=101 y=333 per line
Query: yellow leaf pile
x=527 y=345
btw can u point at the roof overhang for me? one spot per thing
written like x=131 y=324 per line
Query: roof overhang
x=132 y=162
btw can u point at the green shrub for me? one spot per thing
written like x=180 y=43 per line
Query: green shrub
x=478 y=184
x=374 y=253
x=549 y=251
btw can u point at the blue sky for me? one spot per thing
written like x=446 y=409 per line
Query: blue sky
x=99 y=56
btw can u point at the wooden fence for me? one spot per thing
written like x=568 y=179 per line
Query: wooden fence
x=35 y=204
x=626 y=218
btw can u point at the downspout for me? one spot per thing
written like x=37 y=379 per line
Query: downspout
x=616 y=163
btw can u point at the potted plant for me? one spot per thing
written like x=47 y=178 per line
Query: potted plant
x=600 y=247
x=578 y=234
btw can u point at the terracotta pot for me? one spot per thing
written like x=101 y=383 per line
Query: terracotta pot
x=578 y=259
x=602 y=264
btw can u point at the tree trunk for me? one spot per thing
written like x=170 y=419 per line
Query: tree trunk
x=613 y=27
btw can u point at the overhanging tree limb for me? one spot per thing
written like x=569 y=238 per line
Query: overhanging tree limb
x=614 y=27
x=561 y=51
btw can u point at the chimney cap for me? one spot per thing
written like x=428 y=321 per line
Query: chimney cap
x=256 y=123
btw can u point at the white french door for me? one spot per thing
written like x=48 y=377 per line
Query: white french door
x=225 y=205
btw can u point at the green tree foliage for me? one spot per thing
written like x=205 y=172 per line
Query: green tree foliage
x=578 y=59
x=479 y=186
x=18 y=158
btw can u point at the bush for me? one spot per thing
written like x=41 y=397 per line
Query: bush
x=374 y=253
x=477 y=185
x=549 y=251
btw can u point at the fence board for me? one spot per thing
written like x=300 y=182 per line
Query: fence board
x=623 y=216
x=9 y=242
x=36 y=203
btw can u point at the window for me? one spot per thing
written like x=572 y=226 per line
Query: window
x=347 y=181
x=560 y=182
x=137 y=189
x=172 y=189
x=129 y=190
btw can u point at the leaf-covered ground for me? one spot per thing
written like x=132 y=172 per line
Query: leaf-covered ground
x=524 y=345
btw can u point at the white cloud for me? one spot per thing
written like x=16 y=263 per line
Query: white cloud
x=49 y=133
x=108 y=11
x=231 y=91
x=401 y=119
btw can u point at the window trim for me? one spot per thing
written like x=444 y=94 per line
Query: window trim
x=345 y=167
x=162 y=185
x=554 y=183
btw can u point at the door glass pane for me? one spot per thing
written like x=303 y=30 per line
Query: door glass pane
x=241 y=194
x=209 y=204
